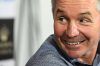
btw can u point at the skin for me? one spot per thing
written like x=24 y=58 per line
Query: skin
x=77 y=23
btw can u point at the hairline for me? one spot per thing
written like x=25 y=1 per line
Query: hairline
x=54 y=5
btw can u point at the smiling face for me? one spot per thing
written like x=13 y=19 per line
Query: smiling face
x=76 y=26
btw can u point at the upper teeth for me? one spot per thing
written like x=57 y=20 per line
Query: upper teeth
x=72 y=43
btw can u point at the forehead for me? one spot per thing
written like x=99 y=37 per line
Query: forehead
x=76 y=6
x=77 y=3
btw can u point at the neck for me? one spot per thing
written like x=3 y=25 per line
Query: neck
x=88 y=57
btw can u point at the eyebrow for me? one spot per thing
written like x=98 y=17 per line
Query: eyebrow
x=59 y=10
x=86 y=13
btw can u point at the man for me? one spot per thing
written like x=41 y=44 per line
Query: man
x=76 y=36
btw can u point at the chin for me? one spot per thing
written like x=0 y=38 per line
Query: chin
x=75 y=54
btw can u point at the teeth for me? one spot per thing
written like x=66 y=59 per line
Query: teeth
x=72 y=43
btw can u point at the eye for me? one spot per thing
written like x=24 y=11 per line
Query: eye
x=85 y=20
x=62 y=20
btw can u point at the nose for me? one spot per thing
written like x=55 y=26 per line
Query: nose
x=72 y=30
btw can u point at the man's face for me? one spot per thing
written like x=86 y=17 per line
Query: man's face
x=76 y=26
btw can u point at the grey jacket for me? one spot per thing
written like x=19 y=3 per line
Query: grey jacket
x=50 y=54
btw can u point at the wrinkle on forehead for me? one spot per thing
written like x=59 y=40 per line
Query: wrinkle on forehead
x=84 y=4
x=77 y=2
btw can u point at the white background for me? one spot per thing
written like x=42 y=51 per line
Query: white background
x=7 y=8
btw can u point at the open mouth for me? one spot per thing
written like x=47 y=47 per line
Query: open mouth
x=73 y=42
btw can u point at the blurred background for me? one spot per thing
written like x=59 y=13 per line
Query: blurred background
x=24 y=25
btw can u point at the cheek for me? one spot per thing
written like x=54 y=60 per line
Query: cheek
x=92 y=33
x=59 y=29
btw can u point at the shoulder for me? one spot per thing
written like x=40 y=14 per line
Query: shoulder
x=97 y=60
x=47 y=55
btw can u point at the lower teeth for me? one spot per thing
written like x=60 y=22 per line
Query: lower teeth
x=72 y=43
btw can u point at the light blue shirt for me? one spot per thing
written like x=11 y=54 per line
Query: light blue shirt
x=50 y=54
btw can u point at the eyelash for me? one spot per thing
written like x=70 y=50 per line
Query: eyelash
x=85 y=20
x=82 y=20
x=62 y=19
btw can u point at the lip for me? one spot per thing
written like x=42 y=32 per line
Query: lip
x=73 y=42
